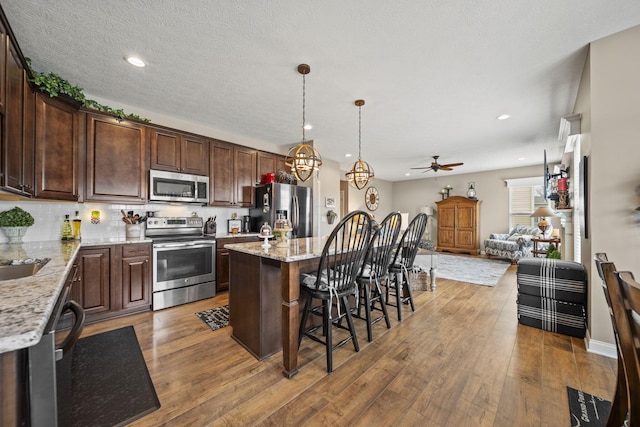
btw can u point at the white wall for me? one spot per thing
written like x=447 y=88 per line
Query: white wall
x=612 y=144
x=326 y=184
x=385 y=190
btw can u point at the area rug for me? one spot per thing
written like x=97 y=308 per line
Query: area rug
x=215 y=318
x=111 y=385
x=479 y=271
x=587 y=409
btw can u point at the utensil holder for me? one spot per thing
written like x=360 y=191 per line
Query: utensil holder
x=133 y=231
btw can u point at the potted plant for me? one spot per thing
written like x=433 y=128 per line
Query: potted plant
x=331 y=216
x=14 y=223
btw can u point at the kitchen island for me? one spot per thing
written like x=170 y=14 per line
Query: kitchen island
x=264 y=290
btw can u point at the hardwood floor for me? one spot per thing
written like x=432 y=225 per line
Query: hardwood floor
x=461 y=359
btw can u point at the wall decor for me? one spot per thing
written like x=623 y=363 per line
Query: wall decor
x=330 y=202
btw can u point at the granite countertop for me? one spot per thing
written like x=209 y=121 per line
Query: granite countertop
x=26 y=304
x=231 y=235
x=296 y=250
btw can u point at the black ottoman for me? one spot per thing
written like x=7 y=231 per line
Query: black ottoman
x=552 y=295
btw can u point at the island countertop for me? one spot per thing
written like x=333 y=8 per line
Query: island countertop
x=295 y=250
x=27 y=303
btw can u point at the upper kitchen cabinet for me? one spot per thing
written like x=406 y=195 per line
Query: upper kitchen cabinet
x=269 y=163
x=233 y=175
x=116 y=160
x=56 y=136
x=18 y=143
x=175 y=152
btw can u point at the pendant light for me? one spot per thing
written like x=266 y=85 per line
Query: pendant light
x=361 y=172
x=303 y=159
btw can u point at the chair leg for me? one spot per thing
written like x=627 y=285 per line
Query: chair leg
x=383 y=305
x=305 y=317
x=620 y=404
x=409 y=296
x=367 y=310
x=399 y=295
x=328 y=338
x=352 y=327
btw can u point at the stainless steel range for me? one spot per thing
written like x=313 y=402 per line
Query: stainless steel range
x=184 y=268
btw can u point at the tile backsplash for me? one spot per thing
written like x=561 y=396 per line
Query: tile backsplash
x=49 y=217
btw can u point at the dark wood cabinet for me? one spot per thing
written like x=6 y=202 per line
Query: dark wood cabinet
x=18 y=145
x=95 y=285
x=268 y=163
x=116 y=160
x=233 y=175
x=113 y=280
x=136 y=276
x=57 y=133
x=459 y=225
x=222 y=259
x=175 y=152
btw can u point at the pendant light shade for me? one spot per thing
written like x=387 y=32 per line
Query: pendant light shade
x=304 y=158
x=361 y=172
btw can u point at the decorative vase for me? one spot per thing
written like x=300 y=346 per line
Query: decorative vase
x=14 y=234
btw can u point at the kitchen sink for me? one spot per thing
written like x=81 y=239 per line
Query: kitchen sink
x=17 y=269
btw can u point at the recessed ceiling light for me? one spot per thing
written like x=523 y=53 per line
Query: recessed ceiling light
x=308 y=126
x=347 y=155
x=135 y=61
x=407 y=174
x=522 y=158
x=503 y=117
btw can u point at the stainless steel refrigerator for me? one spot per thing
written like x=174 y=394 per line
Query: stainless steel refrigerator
x=293 y=201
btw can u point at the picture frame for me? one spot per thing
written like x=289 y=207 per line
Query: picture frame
x=330 y=202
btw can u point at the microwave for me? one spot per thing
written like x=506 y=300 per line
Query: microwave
x=178 y=187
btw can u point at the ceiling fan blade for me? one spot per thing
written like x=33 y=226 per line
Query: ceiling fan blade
x=424 y=167
x=428 y=169
x=451 y=165
x=445 y=168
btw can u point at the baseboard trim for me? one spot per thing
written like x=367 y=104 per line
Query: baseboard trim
x=600 y=347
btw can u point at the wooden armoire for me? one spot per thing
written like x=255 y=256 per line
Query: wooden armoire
x=459 y=225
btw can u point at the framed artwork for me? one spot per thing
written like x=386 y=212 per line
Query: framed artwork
x=330 y=202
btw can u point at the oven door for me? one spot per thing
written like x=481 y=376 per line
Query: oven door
x=180 y=264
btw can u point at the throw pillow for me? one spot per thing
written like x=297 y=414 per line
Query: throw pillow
x=514 y=237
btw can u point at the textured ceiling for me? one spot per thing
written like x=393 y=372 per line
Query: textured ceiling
x=434 y=74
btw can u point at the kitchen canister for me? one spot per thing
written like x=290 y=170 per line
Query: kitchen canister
x=133 y=231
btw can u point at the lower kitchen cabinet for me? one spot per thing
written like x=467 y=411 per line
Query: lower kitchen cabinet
x=113 y=280
x=222 y=259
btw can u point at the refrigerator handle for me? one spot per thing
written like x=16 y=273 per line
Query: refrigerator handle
x=295 y=214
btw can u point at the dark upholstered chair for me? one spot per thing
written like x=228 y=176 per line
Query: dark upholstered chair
x=375 y=270
x=335 y=280
x=606 y=271
x=399 y=285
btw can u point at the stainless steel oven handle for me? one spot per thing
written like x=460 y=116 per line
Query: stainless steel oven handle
x=185 y=244
x=78 y=325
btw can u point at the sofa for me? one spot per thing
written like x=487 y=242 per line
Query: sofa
x=513 y=245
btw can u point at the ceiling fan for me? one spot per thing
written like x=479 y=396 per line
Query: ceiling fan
x=435 y=166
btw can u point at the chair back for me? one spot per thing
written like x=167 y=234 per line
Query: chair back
x=630 y=293
x=343 y=253
x=381 y=246
x=408 y=246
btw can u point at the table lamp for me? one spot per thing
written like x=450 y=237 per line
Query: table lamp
x=543 y=212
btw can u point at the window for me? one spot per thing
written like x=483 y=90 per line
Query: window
x=525 y=196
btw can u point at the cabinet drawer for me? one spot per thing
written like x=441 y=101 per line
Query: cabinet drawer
x=135 y=250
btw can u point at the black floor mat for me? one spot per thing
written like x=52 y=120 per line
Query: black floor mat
x=111 y=385
x=586 y=409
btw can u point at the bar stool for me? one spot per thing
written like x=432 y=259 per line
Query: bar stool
x=376 y=270
x=405 y=254
x=341 y=260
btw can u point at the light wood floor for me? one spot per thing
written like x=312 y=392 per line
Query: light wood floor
x=461 y=359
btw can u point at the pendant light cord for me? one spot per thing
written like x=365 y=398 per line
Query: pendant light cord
x=359 y=132
x=303 y=105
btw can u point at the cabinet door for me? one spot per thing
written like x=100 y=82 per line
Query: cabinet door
x=221 y=183
x=222 y=270
x=446 y=226
x=165 y=150
x=56 y=148
x=116 y=160
x=136 y=277
x=195 y=155
x=245 y=176
x=14 y=130
x=465 y=227
x=93 y=290
x=266 y=164
x=136 y=282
